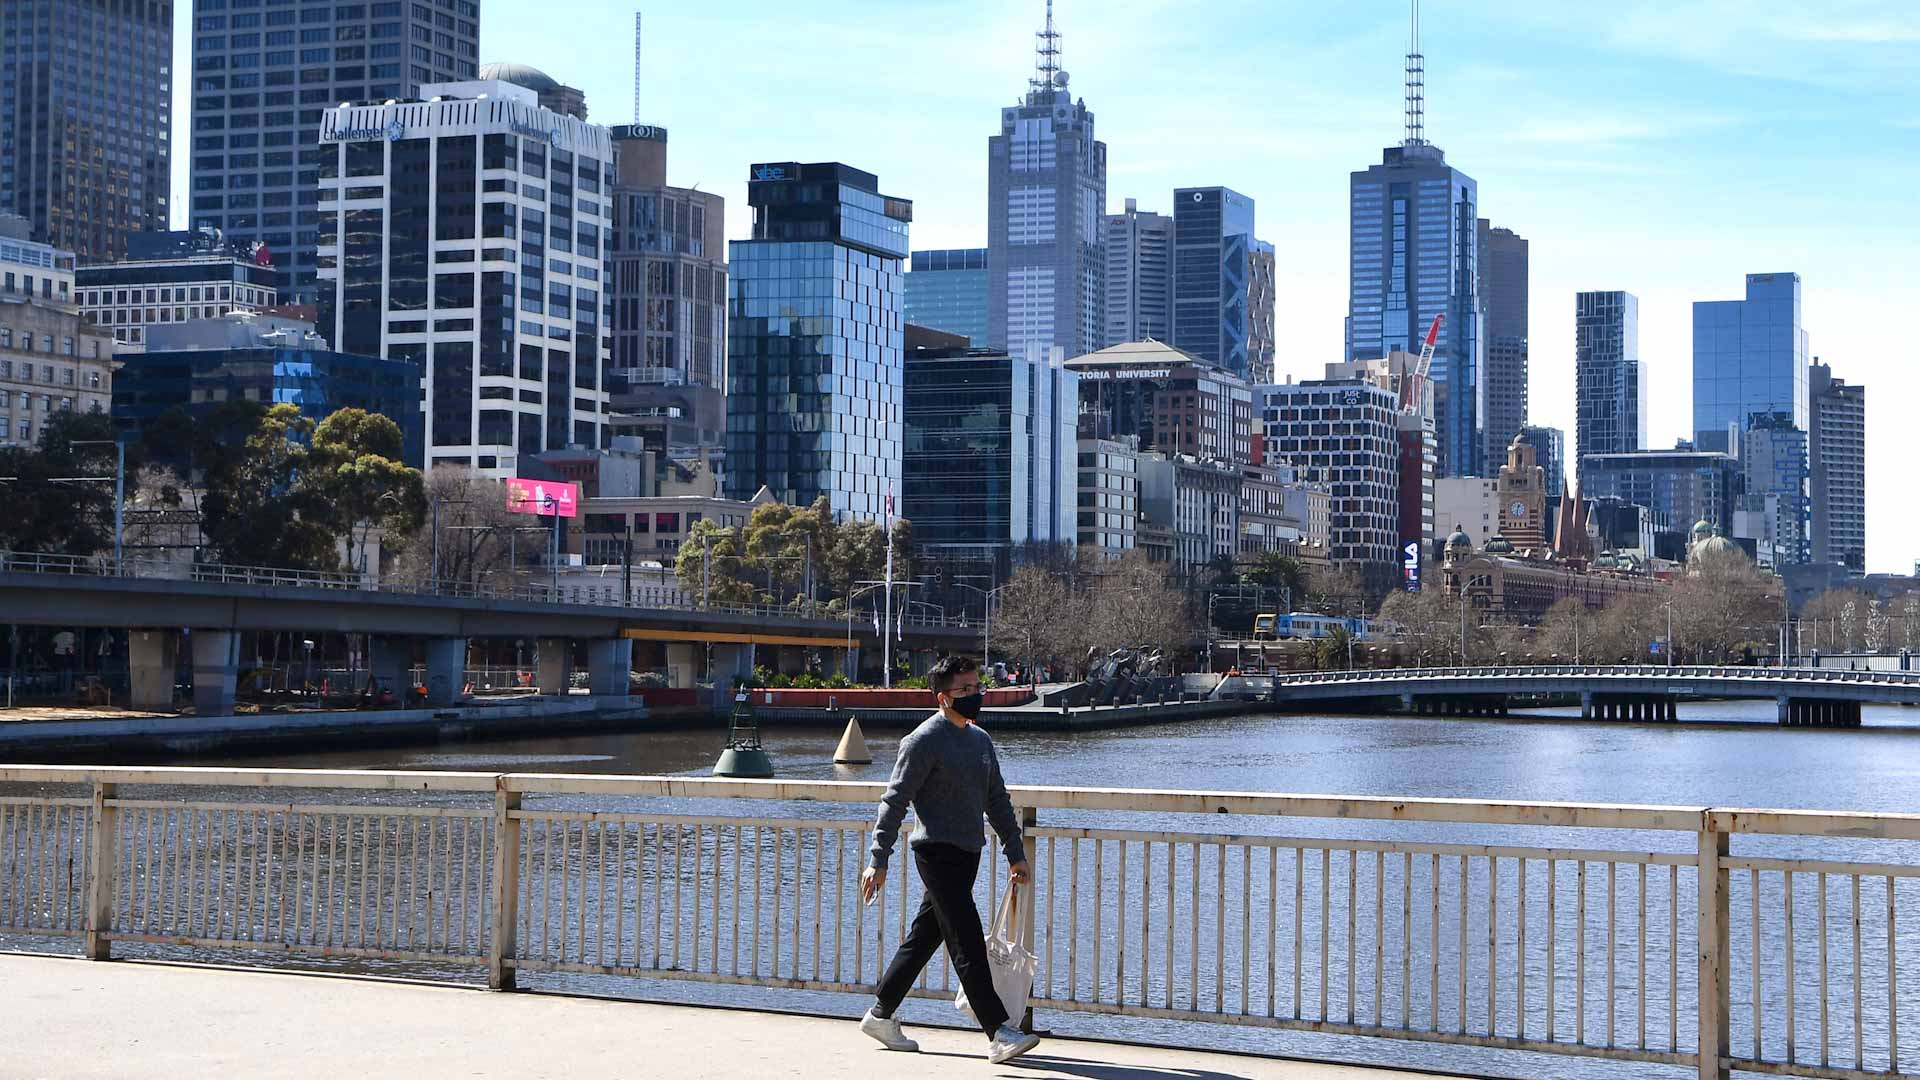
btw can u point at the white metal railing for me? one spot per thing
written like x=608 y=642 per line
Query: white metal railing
x=1635 y=933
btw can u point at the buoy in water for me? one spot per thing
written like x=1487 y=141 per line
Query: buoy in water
x=853 y=746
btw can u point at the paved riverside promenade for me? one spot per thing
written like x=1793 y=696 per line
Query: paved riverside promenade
x=71 y=1019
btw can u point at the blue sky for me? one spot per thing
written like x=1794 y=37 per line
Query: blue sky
x=1665 y=147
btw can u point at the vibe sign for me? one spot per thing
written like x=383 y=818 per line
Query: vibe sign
x=548 y=498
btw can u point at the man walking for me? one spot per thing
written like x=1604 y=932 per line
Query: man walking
x=947 y=771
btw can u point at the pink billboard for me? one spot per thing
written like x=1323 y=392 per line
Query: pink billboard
x=546 y=497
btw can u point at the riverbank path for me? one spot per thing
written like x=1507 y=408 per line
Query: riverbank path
x=73 y=1020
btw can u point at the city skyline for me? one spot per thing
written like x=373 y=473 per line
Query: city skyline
x=1661 y=148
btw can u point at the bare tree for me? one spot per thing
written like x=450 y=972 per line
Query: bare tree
x=477 y=533
x=1724 y=606
x=1030 y=604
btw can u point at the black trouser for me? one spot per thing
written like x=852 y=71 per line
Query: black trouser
x=947 y=916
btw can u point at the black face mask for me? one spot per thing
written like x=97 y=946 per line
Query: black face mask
x=968 y=706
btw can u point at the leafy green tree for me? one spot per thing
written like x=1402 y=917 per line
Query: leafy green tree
x=356 y=471
x=257 y=511
x=1282 y=572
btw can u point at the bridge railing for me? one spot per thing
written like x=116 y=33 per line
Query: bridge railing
x=1634 y=671
x=1711 y=939
x=568 y=591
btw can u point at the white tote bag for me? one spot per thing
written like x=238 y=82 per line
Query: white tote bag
x=1007 y=956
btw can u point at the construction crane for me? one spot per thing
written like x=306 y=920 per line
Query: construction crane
x=1410 y=387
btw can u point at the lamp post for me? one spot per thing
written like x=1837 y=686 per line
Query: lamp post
x=987 y=595
x=886 y=634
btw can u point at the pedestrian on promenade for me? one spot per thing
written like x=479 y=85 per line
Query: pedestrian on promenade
x=948 y=772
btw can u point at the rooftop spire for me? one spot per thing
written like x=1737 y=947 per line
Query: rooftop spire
x=1416 y=85
x=1046 y=56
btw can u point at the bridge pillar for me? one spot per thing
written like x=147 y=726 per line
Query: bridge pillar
x=151 y=658
x=1672 y=709
x=731 y=660
x=446 y=669
x=682 y=660
x=609 y=666
x=551 y=656
x=390 y=660
x=216 y=665
x=1586 y=704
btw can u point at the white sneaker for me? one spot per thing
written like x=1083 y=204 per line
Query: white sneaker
x=887 y=1033
x=1009 y=1043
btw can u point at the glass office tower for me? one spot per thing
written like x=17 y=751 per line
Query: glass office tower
x=86 y=92
x=1504 y=292
x=990 y=447
x=1609 y=382
x=1415 y=254
x=1212 y=253
x=947 y=290
x=1138 y=303
x=814 y=339
x=1750 y=372
x=264 y=79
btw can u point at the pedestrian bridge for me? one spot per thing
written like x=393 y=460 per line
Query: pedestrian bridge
x=1806 y=696
x=1459 y=935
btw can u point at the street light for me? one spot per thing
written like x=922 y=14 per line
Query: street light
x=886 y=634
x=987 y=595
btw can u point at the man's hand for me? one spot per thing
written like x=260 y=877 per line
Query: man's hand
x=871 y=883
x=1020 y=873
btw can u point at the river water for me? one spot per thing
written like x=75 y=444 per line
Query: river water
x=1741 y=758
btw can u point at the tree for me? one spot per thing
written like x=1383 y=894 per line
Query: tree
x=60 y=496
x=1834 y=621
x=1427 y=624
x=1724 y=606
x=355 y=469
x=1134 y=604
x=1335 y=589
x=477 y=540
x=257 y=511
x=1031 y=603
x=1283 y=572
x=1565 y=634
x=765 y=560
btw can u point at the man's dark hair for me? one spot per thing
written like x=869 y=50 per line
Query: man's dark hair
x=950 y=668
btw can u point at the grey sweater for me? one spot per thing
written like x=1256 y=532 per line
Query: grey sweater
x=950 y=776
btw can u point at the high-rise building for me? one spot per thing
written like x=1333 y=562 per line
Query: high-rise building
x=171 y=277
x=1169 y=399
x=1260 y=329
x=946 y=290
x=1609 y=382
x=815 y=339
x=1550 y=447
x=1503 y=292
x=1415 y=255
x=1683 y=485
x=1751 y=371
x=1212 y=274
x=1749 y=360
x=1108 y=495
x=1046 y=194
x=990 y=452
x=666 y=274
x=1396 y=373
x=1139 y=253
x=264 y=81
x=490 y=283
x=1361 y=465
x=1838 y=442
x=86 y=90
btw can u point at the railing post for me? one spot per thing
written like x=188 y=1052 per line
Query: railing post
x=102 y=826
x=1028 y=817
x=506 y=886
x=1714 y=950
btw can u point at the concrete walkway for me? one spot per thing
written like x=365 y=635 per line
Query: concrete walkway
x=70 y=1019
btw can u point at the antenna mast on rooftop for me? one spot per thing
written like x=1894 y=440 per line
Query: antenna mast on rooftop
x=1416 y=86
x=636 y=67
x=1046 y=55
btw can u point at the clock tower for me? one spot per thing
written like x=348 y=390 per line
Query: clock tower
x=1522 y=490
